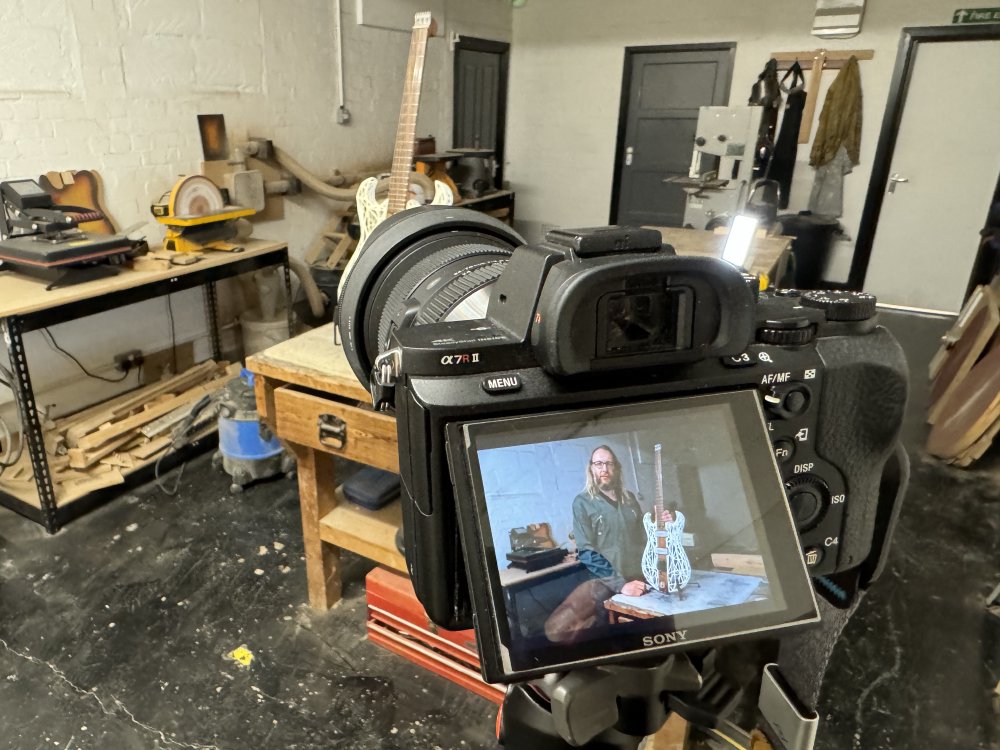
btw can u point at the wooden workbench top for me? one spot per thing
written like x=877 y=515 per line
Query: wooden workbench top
x=312 y=360
x=20 y=294
x=765 y=254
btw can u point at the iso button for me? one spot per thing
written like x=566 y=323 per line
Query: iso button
x=739 y=360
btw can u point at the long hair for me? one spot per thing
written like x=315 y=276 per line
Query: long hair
x=617 y=484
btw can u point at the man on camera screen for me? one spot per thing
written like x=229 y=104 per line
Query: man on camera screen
x=607 y=526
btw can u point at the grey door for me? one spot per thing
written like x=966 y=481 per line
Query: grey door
x=480 y=102
x=662 y=91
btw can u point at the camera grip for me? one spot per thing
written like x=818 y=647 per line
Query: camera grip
x=861 y=414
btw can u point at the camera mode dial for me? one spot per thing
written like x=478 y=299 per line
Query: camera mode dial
x=842 y=306
x=809 y=498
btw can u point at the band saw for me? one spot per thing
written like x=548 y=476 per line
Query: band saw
x=197 y=217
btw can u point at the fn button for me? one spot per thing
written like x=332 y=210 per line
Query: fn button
x=783 y=450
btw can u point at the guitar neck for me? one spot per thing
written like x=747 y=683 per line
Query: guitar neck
x=659 y=483
x=402 y=157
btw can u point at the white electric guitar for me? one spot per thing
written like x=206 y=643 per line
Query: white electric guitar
x=665 y=564
x=371 y=211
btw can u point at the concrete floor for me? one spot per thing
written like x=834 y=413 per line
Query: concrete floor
x=113 y=633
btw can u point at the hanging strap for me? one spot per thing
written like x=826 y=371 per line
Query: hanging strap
x=798 y=77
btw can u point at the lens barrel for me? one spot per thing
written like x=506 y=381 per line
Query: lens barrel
x=423 y=265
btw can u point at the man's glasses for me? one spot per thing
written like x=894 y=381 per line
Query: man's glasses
x=603 y=464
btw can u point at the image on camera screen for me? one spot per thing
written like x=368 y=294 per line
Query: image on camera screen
x=630 y=527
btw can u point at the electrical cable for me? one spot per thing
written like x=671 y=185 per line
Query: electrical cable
x=159 y=482
x=79 y=364
x=10 y=457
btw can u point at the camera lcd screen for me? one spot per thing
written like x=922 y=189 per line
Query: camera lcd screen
x=632 y=529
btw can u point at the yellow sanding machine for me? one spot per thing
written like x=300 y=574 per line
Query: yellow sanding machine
x=197 y=217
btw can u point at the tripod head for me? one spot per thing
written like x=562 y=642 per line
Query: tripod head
x=613 y=707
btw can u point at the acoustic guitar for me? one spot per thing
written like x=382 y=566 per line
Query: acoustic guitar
x=371 y=211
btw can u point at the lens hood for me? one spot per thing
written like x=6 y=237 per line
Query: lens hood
x=400 y=239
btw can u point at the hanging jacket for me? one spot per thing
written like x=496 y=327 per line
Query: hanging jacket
x=840 y=122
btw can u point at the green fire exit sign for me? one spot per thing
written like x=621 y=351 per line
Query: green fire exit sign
x=976 y=15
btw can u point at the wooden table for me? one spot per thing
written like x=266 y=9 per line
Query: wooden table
x=768 y=255
x=26 y=305
x=308 y=394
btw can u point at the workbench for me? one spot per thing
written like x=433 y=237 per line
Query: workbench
x=768 y=255
x=27 y=305
x=309 y=396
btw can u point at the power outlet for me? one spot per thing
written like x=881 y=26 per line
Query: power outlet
x=128 y=361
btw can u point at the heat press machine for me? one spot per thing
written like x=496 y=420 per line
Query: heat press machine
x=198 y=218
x=719 y=180
x=41 y=239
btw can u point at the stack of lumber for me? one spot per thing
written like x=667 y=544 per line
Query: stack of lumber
x=965 y=391
x=97 y=447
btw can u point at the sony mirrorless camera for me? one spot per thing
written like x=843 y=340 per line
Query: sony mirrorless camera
x=759 y=420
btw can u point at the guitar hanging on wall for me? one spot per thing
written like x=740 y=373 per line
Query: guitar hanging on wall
x=371 y=211
x=665 y=564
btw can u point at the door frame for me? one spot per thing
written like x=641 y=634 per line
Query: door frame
x=627 y=87
x=475 y=44
x=909 y=43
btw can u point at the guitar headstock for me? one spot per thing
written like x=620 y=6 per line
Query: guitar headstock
x=424 y=21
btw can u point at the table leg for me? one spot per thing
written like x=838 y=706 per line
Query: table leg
x=316 y=498
x=31 y=429
x=212 y=313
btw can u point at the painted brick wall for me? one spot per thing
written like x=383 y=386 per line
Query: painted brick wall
x=115 y=85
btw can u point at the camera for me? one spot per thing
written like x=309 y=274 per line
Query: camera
x=698 y=449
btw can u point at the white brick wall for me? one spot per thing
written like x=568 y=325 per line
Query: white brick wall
x=115 y=85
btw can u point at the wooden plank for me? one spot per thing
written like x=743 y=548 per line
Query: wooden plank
x=313 y=360
x=745 y=565
x=20 y=295
x=151 y=448
x=812 y=96
x=81 y=459
x=197 y=374
x=767 y=254
x=673 y=735
x=370 y=436
x=86 y=426
x=101 y=437
x=369 y=533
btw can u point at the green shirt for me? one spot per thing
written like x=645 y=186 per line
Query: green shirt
x=612 y=530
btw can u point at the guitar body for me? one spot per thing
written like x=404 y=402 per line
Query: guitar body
x=372 y=211
x=81 y=188
x=665 y=564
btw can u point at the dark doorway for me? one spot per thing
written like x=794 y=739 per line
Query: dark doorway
x=662 y=90
x=480 y=112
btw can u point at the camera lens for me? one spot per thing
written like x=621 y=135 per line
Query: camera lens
x=423 y=265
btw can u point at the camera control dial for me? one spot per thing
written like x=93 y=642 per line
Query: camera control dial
x=809 y=499
x=842 y=306
x=786 y=332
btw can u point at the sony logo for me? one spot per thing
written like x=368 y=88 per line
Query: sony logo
x=662 y=639
x=459 y=359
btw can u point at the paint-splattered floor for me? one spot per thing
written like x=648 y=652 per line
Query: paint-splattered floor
x=113 y=633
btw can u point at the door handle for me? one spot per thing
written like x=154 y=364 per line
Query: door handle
x=896 y=179
x=629 y=152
